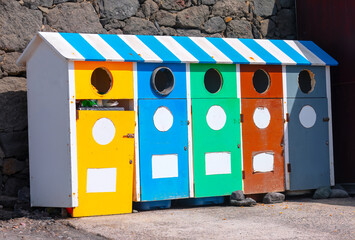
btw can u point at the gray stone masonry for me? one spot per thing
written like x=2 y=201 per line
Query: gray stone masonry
x=21 y=19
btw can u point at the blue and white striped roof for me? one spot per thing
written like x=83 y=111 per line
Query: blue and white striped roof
x=168 y=49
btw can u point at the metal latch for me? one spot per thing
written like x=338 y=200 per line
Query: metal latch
x=326 y=119
x=129 y=135
x=288 y=167
x=241 y=118
x=287 y=117
x=243 y=174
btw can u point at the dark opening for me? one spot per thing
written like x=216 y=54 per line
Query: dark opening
x=101 y=80
x=306 y=81
x=163 y=81
x=213 y=80
x=261 y=81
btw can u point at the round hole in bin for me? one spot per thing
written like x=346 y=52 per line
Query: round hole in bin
x=261 y=81
x=213 y=80
x=163 y=81
x=306 y=81
x=101 y=80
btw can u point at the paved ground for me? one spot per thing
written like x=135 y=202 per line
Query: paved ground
x=301 y=218
x=295 y=219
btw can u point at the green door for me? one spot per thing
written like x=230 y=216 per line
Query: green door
x=215 y=130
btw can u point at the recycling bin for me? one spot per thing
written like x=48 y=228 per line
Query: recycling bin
x=163 y=132
x=262 y=128
x=215 y=130
x=308 y=118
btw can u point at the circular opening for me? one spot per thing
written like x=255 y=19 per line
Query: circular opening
x=213 y=80
x=261 y=81
x=306 y=81
x=101 y=80
x=163 y=81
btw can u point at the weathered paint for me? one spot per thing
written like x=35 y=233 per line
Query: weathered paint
x=308 y=147
x=155 y=142
x=118 y=154
x=265 y=140
x=122 y=80
x=246 y=81
x=207 y=140
x=293 y=89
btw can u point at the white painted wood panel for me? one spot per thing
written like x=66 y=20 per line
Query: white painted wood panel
x=165 y=166
x=51 y=175
x=101 y=180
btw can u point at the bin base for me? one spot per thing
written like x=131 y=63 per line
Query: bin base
x=144 y=206
x=191 y=202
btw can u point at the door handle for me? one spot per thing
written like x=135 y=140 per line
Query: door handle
x=326 y=119
x=129 y=135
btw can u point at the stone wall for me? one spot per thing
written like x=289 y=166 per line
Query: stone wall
x=20 y=20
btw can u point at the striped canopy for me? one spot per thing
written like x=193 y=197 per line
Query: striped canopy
x=168 y=49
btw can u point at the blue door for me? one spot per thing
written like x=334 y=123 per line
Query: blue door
x=163 y=153
x=308 y=143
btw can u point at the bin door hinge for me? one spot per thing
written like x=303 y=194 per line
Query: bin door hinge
x=129 y=135
x=243 y=174
x=241 y=118
x=288 y=167
x=287 y=117
x=326 y=119
x=77 y=114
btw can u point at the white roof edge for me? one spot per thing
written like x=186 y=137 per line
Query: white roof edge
x=31 y=47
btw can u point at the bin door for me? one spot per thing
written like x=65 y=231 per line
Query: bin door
x=216 y=146
x=308 y=143
x=263 y=161
x=105 y=150
x=163 y=149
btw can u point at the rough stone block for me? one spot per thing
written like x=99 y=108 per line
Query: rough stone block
x=149 y=7
x=165 y=18
x=9 y=64
x=193 y=17
x=118 y=9
x=13 y=185
x=322 y=193
x=14 y=144
x=248 y=202
x=24 y=195
x=75 y=17
x=230 y=8
x=140 y=26
x=265 y=8
x=12 y=166
x=271 y=198
x=18 y=25
x=338 y=193
x=33 y=4
x=239 y=29
x=215 y=25
x=286 y=22
x=237 y=195
x=175 y=5
x=189 y=32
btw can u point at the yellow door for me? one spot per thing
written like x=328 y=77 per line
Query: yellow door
x=105 y=148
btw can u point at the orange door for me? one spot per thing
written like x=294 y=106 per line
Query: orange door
x=263 y=161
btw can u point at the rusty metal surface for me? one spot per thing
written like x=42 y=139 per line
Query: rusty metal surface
x=330 y=24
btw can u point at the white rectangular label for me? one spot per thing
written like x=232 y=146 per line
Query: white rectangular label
x=218 y=163
x=101 y=180
x=263 y=162
x=165 y=166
